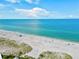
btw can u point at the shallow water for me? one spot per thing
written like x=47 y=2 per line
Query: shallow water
x=66 y=29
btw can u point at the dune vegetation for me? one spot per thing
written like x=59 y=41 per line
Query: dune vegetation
x=54 y=55
x=26 y=57
x=10 y=47
x=19 y=57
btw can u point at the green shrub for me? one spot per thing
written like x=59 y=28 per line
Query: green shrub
x=19 y=57
x=54 y=55
x=7 y=56
x=27 y=57
x=11 y=47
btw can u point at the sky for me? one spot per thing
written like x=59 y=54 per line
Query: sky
x=39 y=9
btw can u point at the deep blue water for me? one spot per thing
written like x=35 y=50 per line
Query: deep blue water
x=66 y=29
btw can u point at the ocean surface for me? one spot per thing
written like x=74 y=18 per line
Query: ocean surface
x=65 y=29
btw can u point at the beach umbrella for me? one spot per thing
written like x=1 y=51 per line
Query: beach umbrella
x=10 y=47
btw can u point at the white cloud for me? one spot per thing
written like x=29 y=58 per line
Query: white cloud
x=28 y=1
x=35 y=12
x=1 y=16
x=13 y=1
x=32 y=1
x=2 y=5
x=70 y=16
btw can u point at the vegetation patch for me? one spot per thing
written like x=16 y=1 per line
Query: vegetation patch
x=10 y=47
x=26 y=57
x=54 y=55
x=12 y=57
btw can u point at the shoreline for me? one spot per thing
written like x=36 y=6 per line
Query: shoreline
x=40 y=43
x=20 y=33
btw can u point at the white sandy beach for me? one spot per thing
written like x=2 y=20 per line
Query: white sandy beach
x=40 y=44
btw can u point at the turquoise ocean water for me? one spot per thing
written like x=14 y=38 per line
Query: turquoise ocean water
x=66 y=29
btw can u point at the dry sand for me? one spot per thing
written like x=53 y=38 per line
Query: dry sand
x=40 y=43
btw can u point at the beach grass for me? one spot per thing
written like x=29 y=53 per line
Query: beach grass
x=12 y=57
x=8 y=57
x=54 y=55
x=10 y=47
x=26 y=57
